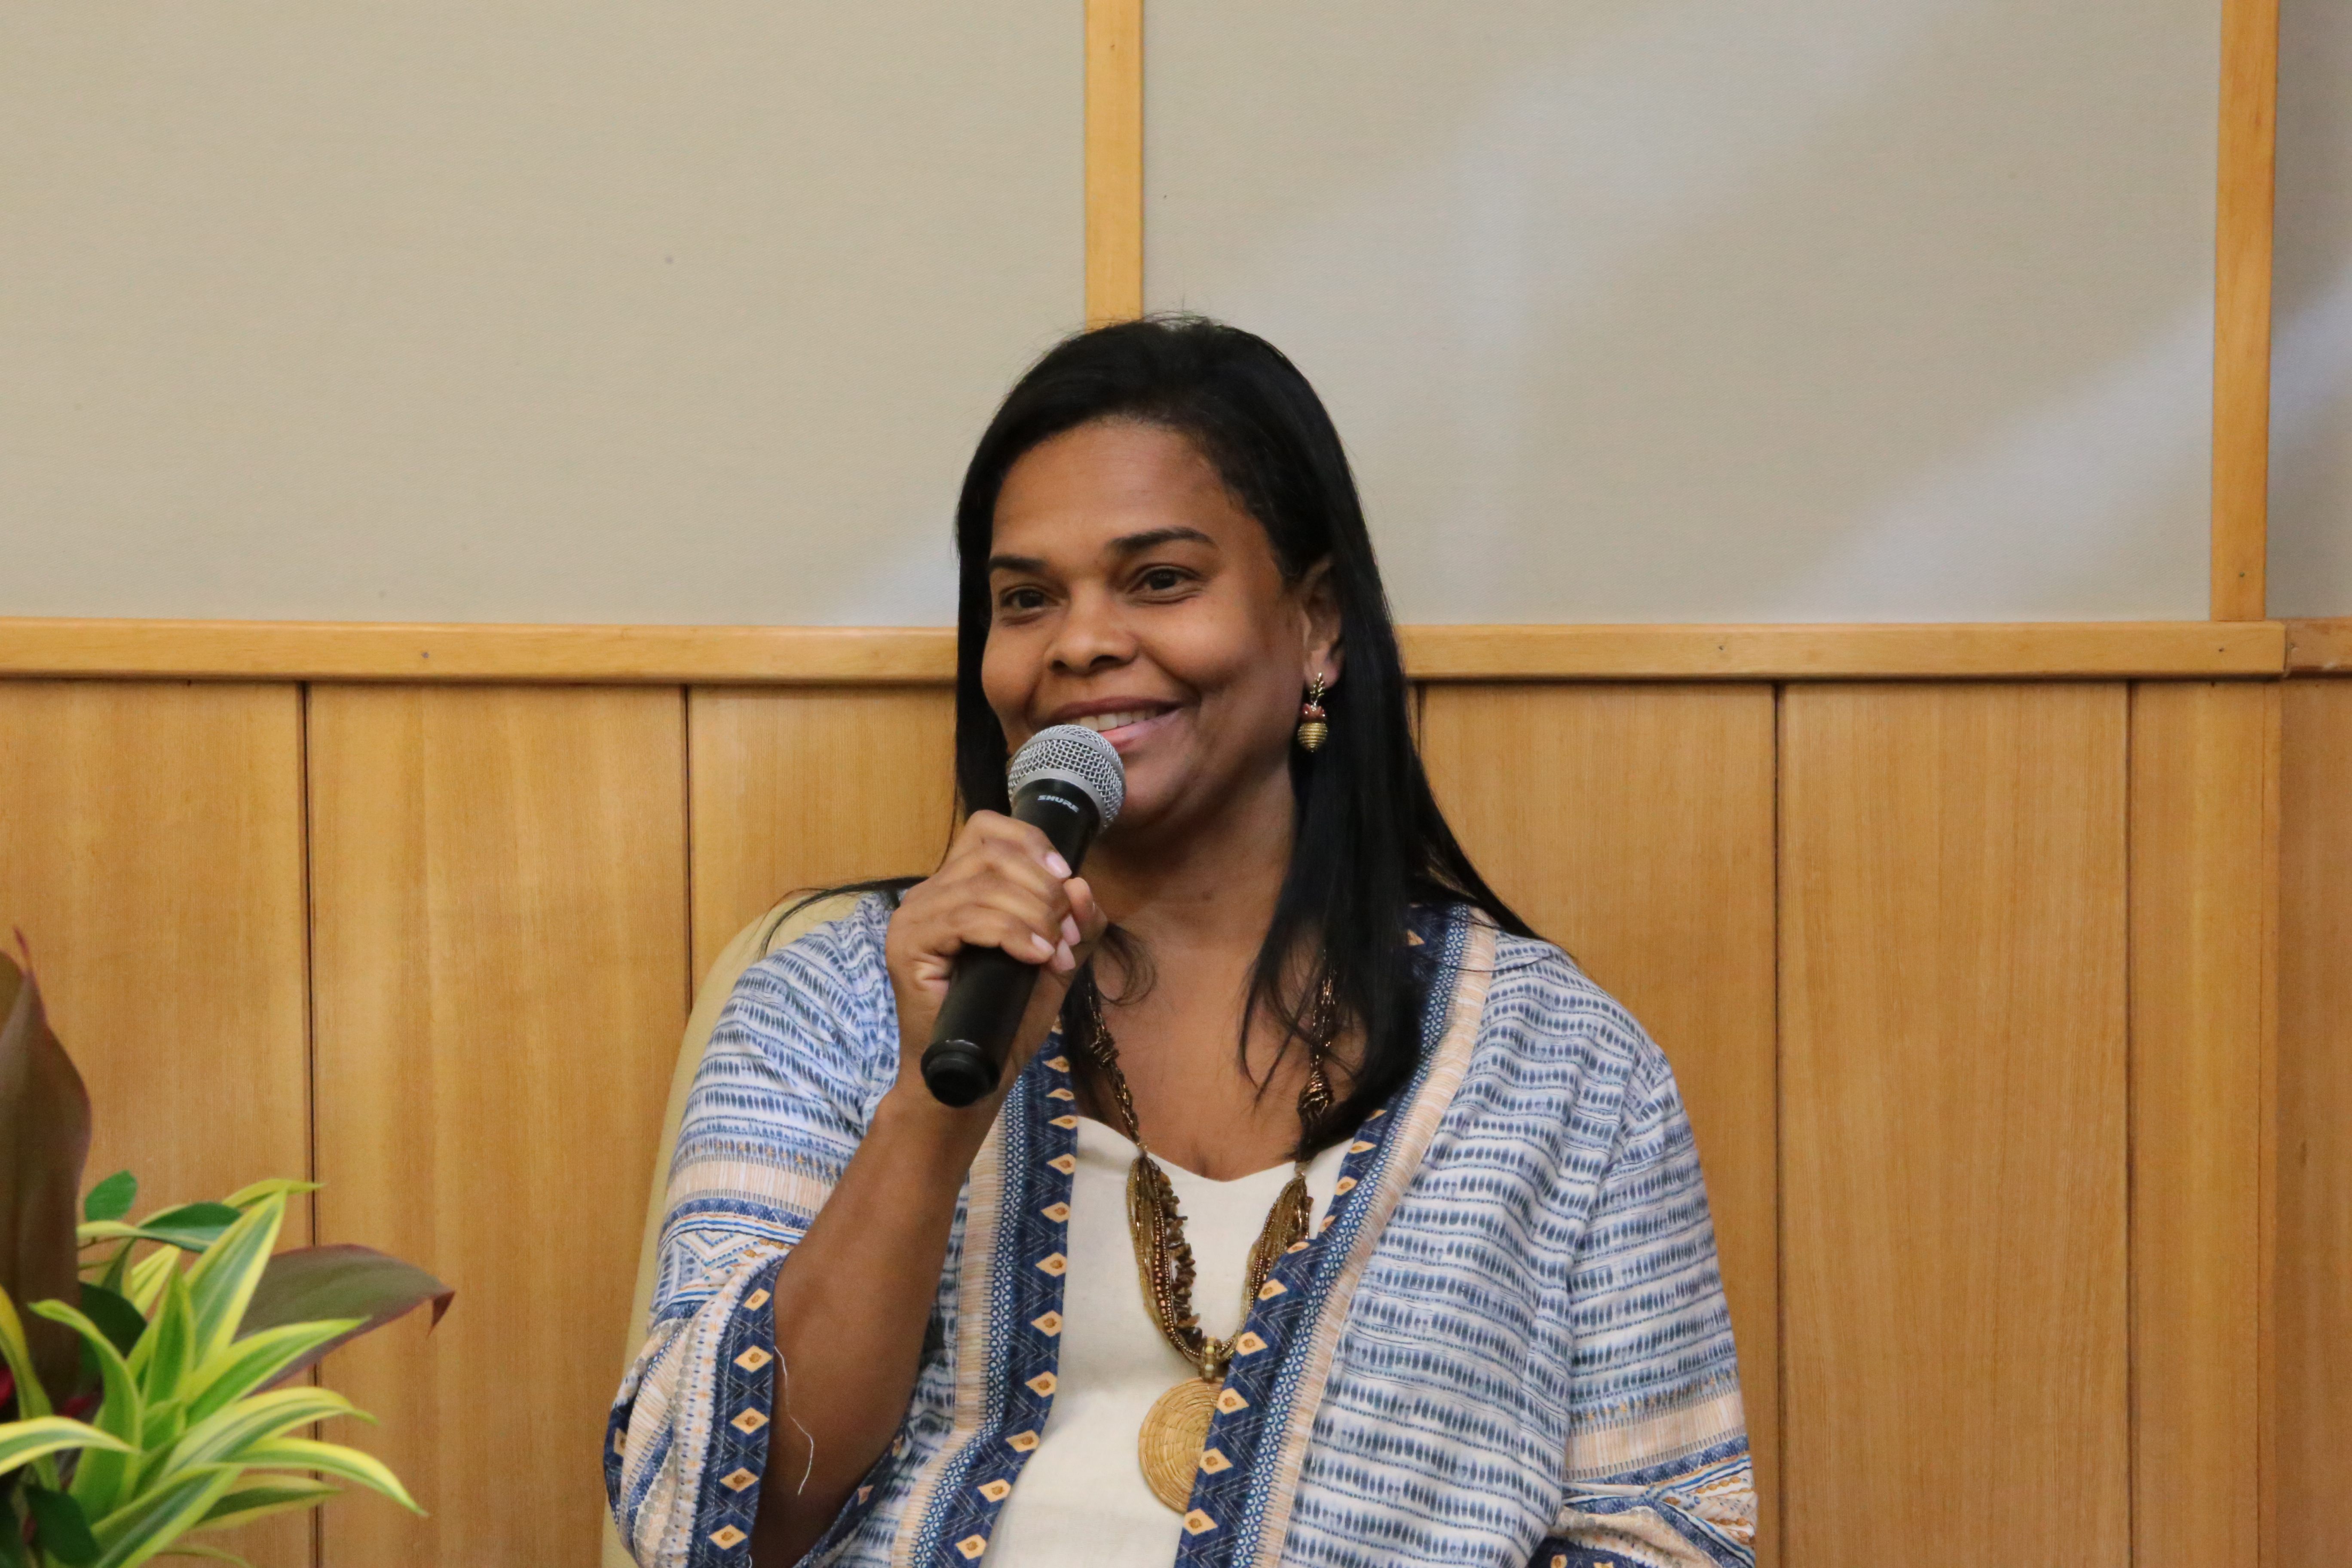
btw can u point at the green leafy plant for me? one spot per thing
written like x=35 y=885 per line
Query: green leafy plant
x=148 y=1390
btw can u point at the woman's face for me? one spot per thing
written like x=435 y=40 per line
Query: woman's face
x=1132 y=595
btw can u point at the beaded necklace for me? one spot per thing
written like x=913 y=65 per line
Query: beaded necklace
x=1177 y=1426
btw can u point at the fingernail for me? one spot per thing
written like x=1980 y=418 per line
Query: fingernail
x=1056 y=865
x=1044 y=949
x=1071 y=934
x=1064 y=959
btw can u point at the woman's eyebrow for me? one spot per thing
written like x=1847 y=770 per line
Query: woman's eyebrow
x=1152 y=539
x=1125 y=544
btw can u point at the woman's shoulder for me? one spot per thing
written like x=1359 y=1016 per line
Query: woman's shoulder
x=839 y=937
x=1540 y=1004
x=827 y=979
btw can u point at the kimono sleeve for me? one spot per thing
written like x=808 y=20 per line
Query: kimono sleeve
x=797 y=1063
x=1658 y=1473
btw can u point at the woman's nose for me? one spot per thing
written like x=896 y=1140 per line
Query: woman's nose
x=1092 y=635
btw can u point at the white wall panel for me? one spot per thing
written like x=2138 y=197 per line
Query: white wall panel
x=2311 y=366
x=599 y=311
x=1696 y=311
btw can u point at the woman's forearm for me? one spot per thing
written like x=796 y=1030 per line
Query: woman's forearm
x=851 y=1305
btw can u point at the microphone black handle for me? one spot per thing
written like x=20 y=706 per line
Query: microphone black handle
x=991 y=989
x=984 y=1003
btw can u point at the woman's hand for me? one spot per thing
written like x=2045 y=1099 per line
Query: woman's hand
x=1000 y=886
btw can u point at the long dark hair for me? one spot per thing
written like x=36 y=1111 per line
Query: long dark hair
x=1369 y=841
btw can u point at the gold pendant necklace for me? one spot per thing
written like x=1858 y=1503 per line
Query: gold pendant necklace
x=1176 y=1428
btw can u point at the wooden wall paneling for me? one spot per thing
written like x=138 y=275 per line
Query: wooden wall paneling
x=2204 y=773
x=1634 y=826
x=1114 y=139
x=801 y=787
x=151 y=851
x=1953 y=924
x=500 y=966
x=2242 y=307
x=2314 y=1282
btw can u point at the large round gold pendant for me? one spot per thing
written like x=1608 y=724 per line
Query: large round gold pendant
x=1174 y=1432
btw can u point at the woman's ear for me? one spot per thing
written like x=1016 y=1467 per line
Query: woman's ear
x=1318 y=605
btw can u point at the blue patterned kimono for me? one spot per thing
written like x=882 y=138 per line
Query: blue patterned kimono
x=1505 y=1345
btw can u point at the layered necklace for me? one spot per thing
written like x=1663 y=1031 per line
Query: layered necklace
x=1177 y=1427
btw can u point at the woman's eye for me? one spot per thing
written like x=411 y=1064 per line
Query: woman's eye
x=1160 y=579
x=1019 y=601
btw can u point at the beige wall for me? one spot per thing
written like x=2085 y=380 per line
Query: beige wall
x=2311 y=432
x=1675 y=311
x=1692 y=309
x=598 y=311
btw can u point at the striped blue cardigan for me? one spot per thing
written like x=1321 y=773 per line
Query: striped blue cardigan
x=1506 y=1345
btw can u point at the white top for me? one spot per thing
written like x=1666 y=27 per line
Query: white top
x=1081 y=1502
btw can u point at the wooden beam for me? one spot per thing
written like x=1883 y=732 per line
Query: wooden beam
x=2309 y=1457
x=1957 y=651
x=1114 y=160
x=152 y=857
x=918 y=656
x=2204 y=883
x=604 y=655
x=1955 y=1305
x=2242 y=307
x=2319 y=648
x=499 y=961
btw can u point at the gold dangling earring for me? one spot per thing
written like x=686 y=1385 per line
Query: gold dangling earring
x=1312 y=728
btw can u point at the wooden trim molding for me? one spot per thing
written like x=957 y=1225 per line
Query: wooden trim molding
x=1959 y=650
x=2242 y=307
x=918 y=656
x=2319 y=648
x=1114 y=137
x=328 y=650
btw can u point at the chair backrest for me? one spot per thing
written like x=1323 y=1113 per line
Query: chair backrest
x=778 y=928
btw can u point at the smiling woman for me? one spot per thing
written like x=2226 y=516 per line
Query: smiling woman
x=1324 y=1212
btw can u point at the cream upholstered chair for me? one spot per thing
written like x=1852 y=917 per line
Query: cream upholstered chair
x=779 y=926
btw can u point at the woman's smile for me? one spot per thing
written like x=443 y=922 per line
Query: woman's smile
x=1125 y=722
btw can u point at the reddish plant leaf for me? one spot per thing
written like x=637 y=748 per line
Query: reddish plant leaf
x=311 y=1283
x=44 y=1139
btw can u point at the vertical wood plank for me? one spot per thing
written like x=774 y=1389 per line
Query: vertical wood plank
x=2203 y=864
x=1114 y=160
x=1634 y=826
x=803 y=787
x=2313 y=1292
x=150 y=850
x=501 y=962
x=1953 y=1137
x=2242 y=307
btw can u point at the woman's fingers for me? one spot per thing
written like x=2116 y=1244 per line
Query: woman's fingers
x=1002 y=885
x=994 y=830
x=1091 y=920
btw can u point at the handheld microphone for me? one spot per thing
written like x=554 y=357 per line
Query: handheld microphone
x=1069 y=782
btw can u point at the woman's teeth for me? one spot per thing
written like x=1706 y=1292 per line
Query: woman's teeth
x=1098 y=722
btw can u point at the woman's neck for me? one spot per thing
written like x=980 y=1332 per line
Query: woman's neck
x=1212 y=883
x=1199 y=904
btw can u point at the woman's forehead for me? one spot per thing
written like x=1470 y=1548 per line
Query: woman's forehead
x=1111 y=488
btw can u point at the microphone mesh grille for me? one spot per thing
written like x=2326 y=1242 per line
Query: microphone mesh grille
x=1077 y=755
